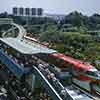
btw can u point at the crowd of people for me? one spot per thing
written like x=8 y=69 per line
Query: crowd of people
x=30 y=60
x=44 y=68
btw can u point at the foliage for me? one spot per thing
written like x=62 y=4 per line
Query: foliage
x=70 y=36
x=78 y=19
x=80 y=46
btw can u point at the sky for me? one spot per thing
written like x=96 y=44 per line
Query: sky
x=87 y=7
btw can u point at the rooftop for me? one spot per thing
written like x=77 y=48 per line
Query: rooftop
x=25 y=48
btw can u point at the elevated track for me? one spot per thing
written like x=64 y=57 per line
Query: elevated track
x=48 y=79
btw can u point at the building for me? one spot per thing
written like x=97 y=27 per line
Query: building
x=21 y=11
x=30 y=12
x=33 y=10
x=6 y=21
x=55 y=16
x=39 y=11
x=15 y=11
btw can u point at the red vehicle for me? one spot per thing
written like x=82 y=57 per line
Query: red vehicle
x=81 y=70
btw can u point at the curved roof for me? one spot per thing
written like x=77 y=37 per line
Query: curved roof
x=25 y=48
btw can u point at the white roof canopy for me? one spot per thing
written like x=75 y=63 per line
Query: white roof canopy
x=25 y=48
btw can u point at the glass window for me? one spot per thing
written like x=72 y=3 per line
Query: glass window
x=91 y=73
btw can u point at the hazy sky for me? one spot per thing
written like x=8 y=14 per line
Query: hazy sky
x=54 y=6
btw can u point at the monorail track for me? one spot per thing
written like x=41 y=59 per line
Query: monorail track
x=49 y=81
x=69 y=92
x=53 y=88
x=93 y=96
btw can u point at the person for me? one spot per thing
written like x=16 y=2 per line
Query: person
x=52 y=75
x=15 y=60
x=18 y=98
x=92 y=84
x=22 y=64
x=6 y=52
x=47 y=71
x=18 y=55
x=2 y=97
x=10 y=56
x=46 y=65
x=26 y=64
x=30 y=62
x=40 y=66
x=63 y=93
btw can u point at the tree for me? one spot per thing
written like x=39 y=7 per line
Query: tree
x=4 y=15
